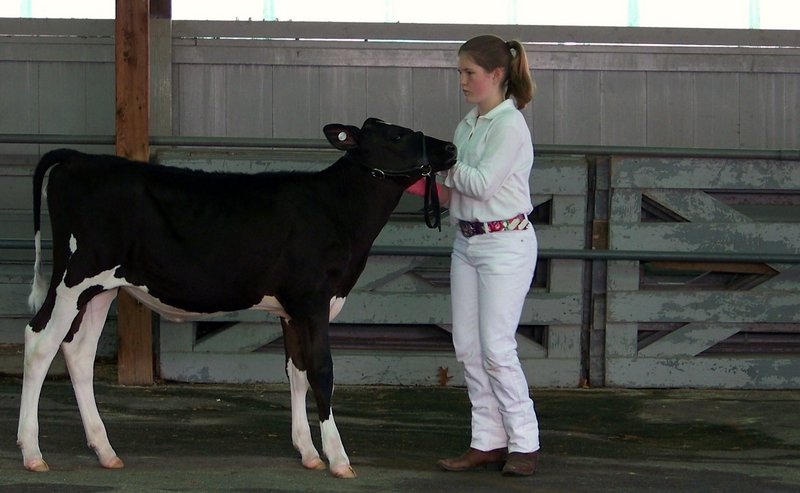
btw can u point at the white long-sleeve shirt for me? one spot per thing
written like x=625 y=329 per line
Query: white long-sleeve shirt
x=489 y=182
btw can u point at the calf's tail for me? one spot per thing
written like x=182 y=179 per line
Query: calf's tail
x=39 y=285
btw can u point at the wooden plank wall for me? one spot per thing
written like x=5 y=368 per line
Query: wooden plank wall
x=683 y=95
x=675 y=96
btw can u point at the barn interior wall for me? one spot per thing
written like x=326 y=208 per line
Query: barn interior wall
x=595 y=87
x=231 y=79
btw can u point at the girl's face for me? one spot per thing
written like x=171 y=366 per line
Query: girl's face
x=480 y=87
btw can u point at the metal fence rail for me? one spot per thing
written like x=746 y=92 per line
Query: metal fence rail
x=9 y=244
x=272 y=143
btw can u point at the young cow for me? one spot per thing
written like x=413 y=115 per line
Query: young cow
x=190 y=244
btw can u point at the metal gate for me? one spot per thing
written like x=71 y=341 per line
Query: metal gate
x=707 y=322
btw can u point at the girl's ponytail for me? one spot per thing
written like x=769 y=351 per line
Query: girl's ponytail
x=520 y=83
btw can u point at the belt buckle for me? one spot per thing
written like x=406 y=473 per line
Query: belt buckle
x=469 y=229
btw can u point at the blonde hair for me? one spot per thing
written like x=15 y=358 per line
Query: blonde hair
x=491 y=52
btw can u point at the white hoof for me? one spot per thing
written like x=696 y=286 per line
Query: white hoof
x=114 y=463
x=344 y=471
x=37 y=465
x=315 y=464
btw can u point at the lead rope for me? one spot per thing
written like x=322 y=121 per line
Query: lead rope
x=431 y=206
x=433 y=212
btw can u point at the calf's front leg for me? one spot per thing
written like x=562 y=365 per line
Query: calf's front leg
x=301 y=431
x=320 y=377
x=298 y=385
x=309 y=363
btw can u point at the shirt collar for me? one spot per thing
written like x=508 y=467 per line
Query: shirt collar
x=472 y=116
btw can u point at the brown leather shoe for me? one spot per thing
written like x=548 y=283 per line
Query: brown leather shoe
x=521 y=464
x=474 y=459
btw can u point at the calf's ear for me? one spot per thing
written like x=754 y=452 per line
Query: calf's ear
x=342 y=137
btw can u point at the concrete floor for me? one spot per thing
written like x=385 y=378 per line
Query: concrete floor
x=181 y=437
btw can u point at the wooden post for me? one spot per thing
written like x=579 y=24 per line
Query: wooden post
x=134 y=321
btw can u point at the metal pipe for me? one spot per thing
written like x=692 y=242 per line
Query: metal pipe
x=674 y=152
x=57 y=139
x=256 y=142
x=560 y=254
x=543 y=149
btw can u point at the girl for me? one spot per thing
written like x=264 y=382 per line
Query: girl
x=494 y=253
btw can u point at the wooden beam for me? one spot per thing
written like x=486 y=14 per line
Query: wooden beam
x=134 y=321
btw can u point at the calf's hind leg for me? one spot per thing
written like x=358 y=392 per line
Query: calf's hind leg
x=42 y=339
x=79 y=354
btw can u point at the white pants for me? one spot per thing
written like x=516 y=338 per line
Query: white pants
x=490 y=276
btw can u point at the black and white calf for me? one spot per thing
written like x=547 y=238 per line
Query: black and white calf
x=191 y=244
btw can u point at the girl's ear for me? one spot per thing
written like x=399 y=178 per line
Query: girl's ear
x=498 y=75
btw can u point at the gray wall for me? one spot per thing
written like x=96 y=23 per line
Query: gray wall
x=631 y=95
x=229 y=79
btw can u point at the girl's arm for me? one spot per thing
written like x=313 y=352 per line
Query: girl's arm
x=500 y=155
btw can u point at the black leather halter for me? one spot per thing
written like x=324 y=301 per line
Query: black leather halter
x=431 y=207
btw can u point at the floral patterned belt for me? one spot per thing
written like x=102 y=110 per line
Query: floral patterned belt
x=516 y=223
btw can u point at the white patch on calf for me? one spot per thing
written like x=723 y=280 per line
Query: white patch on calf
x=333 y=449
x=268 y=304
x=301 y=432
x=39 y=285
x=142 y=295
x=73 y=244
x=106 y=279
x=336 y=307
x=272 y=305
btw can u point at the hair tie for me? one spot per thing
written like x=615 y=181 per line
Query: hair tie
x=512 y=50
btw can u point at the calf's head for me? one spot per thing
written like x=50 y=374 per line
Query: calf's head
x=391 y=151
